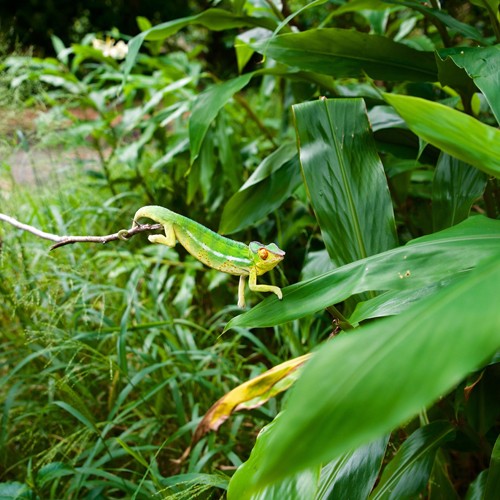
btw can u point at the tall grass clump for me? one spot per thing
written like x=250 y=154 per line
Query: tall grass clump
x=361 y=137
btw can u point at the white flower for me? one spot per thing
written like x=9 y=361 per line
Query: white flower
x=110 y=49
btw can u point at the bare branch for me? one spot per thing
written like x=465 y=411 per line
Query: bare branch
x=124 y=234
x=30 y=229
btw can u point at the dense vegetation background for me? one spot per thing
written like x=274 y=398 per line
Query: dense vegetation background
x=362 y=137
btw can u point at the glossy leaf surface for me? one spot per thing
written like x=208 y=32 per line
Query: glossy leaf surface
x=345 y=178
x=422 y=262
x=347 y=53
x=453 y=132
x=409 y=471
x=354 y=473
x=364 y=374
x=482 y=65
x=300 y=485
x=393 y=302
x=493 y=481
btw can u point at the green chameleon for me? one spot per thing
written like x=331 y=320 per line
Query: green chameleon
x=214 y=250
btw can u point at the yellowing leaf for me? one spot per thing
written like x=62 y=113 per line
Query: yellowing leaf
x=248 y=395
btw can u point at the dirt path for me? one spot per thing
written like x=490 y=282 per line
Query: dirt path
x=25 y=162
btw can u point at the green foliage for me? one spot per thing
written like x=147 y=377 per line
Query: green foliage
x=362 y=137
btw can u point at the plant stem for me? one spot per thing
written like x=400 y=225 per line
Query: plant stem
x=104 y=164
x=443 y=33
x=339 y=317
x=492 y=198
x=244 y=104
x=494 y=21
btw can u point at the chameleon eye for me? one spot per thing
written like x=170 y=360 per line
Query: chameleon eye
x=263 y=253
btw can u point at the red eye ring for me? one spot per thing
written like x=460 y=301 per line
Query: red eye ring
x=263 y=253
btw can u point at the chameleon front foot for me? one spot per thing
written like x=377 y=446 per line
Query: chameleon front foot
x=252 y=283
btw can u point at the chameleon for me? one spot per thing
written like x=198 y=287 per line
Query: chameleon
x=214 y=250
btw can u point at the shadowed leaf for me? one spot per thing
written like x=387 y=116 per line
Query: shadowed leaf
x=455 y=187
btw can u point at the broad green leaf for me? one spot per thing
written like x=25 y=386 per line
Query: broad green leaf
x=455 y=187
x=263 y=195
x=384 y=116
x=493 y=481
x=213 y=19
x=300 y=485
x=203 y=169
x=315 y=264
x=481 y=65
x=15 y=490
x=454 y=132
x=409 y=471
x=53 y=471
x=206 y=107
x=362 y=384
x=229 y=157
x=353 y=474
x=455 y=77
x=393 y=302
x=477 y=487
x=271 y=163
x=345 y=178
x=143 y=22
x=347 y=53
x=243 y=45
x=440 y=486
x=422 y=262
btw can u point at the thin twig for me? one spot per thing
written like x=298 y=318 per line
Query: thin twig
x=124 y=234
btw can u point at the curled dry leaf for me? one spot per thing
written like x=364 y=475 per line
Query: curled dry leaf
x=247 y=396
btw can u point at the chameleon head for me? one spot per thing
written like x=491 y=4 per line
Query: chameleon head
x=265 y=257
